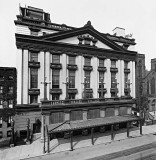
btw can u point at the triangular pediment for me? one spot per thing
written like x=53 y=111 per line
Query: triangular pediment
x=86 y=36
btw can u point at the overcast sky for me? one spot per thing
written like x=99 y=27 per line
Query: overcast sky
x=136 y=16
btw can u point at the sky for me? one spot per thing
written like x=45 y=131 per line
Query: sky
x=137 y=17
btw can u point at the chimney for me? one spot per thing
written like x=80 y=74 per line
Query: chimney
x=119 y=32
x=153 y=64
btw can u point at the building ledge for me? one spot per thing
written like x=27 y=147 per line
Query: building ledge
x=34 y=91
x=72 y=67
x=34 y=64
x=55 y=91
x=87 y=68
x=113 y=69
x=102 y=69
x=55 y=66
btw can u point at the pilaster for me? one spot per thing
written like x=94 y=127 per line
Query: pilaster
x=85 y=114
x=41 y=75
x=63 y=75
x=131 y=77
x=25 y=77
x=118 y=76
x=94 y=77
x=133 y=80
x=108 y=78
x=122 y=78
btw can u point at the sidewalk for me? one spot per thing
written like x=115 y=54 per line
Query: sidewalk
x=83 y=142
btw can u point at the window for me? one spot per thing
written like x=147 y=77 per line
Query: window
x=1 y=103
x=87 y=79
x=1 y=134
x=55 y=97
x=10 y=78
x=89 y=95
x=56 y=59
x=9 y=121
x=56 y=117
x=1 y=78
x=33 y=78
x=113 y=80
x=125 y=64
x=87 y=61
x=1 y=121
x=1 y=89
x=101 y=63
x=9 y=133
x=113 y=94
x=33 y=99
x=10 y=103
x=33 y=33
x=10 y=89
x=71 y=96
x=72 y=60
x=55 y=78
x=76 y=115
x=126 y=80
x=71 y=79
x=101 y=77
x=93 y=113
x=33 y=57
x=113 y=63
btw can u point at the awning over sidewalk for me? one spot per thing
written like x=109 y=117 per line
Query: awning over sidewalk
x=76 y=125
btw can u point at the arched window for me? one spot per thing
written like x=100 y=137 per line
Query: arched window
x=153 y=85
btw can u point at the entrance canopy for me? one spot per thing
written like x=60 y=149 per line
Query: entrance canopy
x=91 y=123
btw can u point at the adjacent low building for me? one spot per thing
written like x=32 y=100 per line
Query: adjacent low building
x=8 y=87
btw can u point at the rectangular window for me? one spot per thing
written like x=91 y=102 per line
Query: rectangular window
x=71 y=79
x=10 y=89
x=1 y=134
x=87 y=61
x=10 y=103
x=71 y=60
x=33 y=33
x=56 y=117
x=113 y=63
x=101 y=62
x=10 y=78
x=126 y=80
x=113 y=80
x=109 y=112
x=125 y=65
x=71 y=96
x=55 y=96
x=9 y=133
x=87 y=79
x=33 y=57
x=55 y=58
x=9 y=121
x=1 y=103
x=112 y=94
x=101 y=77
x=33 y=78
x=93 y=113
x=1 y=78
x=33 y=99
x=1 y=89
x=55 y=78
x=76 y=115
x=1 y=121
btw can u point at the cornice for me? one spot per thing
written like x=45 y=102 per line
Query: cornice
x=31 y=43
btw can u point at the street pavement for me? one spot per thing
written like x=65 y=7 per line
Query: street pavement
x=82 y=145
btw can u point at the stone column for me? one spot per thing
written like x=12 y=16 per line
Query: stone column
x=131 y=77
x=133 y=80
x=122 y=79
x=118 y=77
